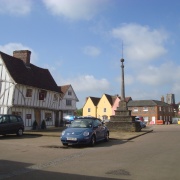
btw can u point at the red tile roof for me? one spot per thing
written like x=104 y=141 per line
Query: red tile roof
x=64 y=88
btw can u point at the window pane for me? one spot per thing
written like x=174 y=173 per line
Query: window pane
x=68 y=102
x=29 y=93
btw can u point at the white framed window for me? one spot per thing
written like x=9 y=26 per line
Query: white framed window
x=135 y=109
x=48 y=116
x=42 y=95
x=104 y=110
x=145 y=118
x=89 y=109
x=29 y=92
x=68 y=102
x=69 y=93
x=145 y=108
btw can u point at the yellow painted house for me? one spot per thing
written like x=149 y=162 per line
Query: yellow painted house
x=103 y=107
x=90 y=107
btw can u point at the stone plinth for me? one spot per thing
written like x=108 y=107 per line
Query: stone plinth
x=122 y=120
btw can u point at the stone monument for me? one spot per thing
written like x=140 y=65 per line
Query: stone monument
x=122 y=120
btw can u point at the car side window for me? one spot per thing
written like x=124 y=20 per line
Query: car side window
x=97 y=123
x=19 y=119
x=4 y=119
x=13 y=119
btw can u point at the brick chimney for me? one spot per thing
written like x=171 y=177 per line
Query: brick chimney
x=24 y=55
x=162 y=98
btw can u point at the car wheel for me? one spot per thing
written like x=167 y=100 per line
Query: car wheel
x=93 y=140
x=106 y=138
x=65 y=144
x=20 y=132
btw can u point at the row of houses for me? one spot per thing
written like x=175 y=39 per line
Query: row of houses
x=151 y=110
x=31 y=91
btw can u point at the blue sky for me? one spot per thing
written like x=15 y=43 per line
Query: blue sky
x=80 y=42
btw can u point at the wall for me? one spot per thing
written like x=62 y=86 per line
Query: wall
x=93 y=109
x=104 y=103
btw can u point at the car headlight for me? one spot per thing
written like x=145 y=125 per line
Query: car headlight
x=86 y=133
x=63 y=133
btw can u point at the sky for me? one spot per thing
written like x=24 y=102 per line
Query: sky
x=81 y=42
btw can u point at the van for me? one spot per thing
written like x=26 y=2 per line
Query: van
x=11 y=124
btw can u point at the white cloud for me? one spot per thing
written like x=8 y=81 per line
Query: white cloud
x=15 y=7
x=140 y=42
x=10 y=47
x=92 y=51
x=75 y=9
x=158 y=76
x=87 y=83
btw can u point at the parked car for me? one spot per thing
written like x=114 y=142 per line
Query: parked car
x=68 y=119
x=11 y=124
x=141 y=120
x=85 y=130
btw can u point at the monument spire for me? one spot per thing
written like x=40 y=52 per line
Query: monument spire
x=122 y=78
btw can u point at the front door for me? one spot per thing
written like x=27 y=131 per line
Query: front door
x=38 y=116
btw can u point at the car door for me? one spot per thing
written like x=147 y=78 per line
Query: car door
x=4 y=124
x=98 y=129
x=13 y=124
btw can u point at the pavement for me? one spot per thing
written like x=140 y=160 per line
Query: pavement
x=56 y=132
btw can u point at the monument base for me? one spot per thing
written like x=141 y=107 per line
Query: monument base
x=123 y=121
x=123 y=126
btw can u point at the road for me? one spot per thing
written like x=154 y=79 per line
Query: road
x=155 y=155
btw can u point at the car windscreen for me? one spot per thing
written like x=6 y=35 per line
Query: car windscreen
x=82 y=123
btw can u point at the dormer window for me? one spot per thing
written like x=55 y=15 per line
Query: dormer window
x=29 y=93
x=42 y=94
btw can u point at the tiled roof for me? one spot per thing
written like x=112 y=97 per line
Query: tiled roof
x=64 y=89
x=112 y=99
x=31 y=76
x=109 y=98
x=143 y=103
x=95 y=100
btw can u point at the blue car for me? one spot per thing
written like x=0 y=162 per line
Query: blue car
x=85 y=130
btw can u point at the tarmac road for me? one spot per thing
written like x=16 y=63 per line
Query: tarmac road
x=154 y=156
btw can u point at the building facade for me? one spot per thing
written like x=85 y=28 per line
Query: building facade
x=103 y=107
x=69 y=100
x=28 y=90
x=90 y=106
x=151 y=110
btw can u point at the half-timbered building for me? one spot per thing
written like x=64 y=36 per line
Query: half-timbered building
x=69 y=100
x=28 y=90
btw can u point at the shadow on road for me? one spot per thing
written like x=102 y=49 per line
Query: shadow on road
x=18 y=170
x=111 y=142
x=14 y=136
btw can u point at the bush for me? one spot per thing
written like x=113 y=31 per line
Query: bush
x=35 y=124
x=43 y=124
